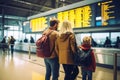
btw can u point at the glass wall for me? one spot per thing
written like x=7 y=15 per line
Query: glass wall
x=15 y=31
x=114 y=39
x=100 y=38
x=0 y=35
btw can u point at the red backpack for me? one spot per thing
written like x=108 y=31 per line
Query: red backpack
x=43 y=46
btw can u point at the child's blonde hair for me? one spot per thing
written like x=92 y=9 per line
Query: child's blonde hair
x=87 y=40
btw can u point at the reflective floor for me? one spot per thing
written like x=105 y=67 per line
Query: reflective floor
x=20 y=67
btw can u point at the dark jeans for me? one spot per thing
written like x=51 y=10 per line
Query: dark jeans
x=52 y=67
x=86 y=75
x=3 y=49
x=71 y=71
x=12 y=49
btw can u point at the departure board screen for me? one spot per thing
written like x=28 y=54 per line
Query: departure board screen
x=40 y=24
x=79 y=17
x=109 y=10
x=104 y=13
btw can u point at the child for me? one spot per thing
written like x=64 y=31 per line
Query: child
x=88 y=70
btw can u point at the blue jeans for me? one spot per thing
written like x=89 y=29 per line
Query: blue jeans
x=86 y=75
x=52 y=68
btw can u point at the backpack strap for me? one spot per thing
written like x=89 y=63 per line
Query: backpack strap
x=89 y=50
x=47 y=34
x=54 y=45
x=86 y=51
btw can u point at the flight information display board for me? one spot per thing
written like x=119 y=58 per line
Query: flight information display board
x=79 y=17
x=103 y=13
x=40 y=24
x=110 y=12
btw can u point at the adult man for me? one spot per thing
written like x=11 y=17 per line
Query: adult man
x=51 y=63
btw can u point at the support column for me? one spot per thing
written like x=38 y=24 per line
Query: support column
x=53 y=3
x=115 y=67
x=3 y=21
x=57 y=5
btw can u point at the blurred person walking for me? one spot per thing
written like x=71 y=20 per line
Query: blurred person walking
x=3 y=44
x=12 y=42
x=8 y=41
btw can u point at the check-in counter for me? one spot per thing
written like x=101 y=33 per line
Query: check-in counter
x=25 y=47
x=104 y=56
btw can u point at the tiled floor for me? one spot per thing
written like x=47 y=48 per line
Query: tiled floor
x=20 y=67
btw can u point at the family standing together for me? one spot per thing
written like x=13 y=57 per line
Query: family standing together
x=63 y=47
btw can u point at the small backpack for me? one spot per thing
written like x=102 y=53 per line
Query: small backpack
x=82 y=58
x=43 y=46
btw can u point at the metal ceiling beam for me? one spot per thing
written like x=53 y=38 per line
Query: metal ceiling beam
x=68 y=2
x=72 y=6
x=65 y=2
x=14 y=17
x=19 y=8
x=37 y=5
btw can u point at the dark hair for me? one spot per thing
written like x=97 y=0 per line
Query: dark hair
x=53 y=22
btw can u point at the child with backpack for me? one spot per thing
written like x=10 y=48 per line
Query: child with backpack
x=89 y=69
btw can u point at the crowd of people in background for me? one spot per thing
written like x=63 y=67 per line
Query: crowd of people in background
x=31 y=40
x=107 y=43
x=8 y=43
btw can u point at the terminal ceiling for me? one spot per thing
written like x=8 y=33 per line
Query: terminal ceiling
x=25 y=8
x=15 y=10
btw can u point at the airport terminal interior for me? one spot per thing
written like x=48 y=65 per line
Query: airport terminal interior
x=25 y=20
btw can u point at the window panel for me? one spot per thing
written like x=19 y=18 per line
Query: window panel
x=100 y=38
x=114 y=36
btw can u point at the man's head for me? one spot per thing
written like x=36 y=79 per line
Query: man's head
x=54 y=23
